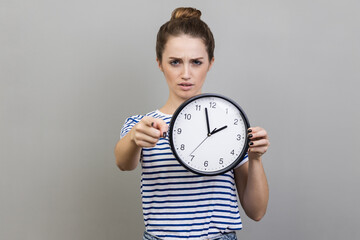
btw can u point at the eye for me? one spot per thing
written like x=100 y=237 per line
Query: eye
x=197 y=62
x=174 y=62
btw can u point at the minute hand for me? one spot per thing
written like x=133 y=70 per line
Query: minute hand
x=207 y=122
x=218 y=130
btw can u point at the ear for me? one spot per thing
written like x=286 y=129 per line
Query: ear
x=159 y=64
x=211 y=63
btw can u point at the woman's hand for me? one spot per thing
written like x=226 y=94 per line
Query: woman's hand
x=259 y=142
x=148 y=131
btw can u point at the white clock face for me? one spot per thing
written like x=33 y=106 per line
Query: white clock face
x=209 y=134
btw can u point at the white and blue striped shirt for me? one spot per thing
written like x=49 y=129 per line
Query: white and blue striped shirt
x=178 y=204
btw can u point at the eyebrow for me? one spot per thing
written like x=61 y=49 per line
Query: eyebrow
x=176 y=58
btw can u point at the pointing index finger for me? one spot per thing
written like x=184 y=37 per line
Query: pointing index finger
x=161 y=126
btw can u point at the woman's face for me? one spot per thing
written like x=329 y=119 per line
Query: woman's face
x=185 y=63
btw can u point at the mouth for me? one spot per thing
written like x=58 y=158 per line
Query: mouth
x=184 y=86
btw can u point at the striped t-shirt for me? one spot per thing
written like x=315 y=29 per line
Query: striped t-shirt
x=178 y=204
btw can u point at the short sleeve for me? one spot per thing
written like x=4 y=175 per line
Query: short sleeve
x=245 y=159
x=129 y=123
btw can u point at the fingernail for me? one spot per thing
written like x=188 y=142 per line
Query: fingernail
x=249 y=130
x=251 y=143
x=164 y=134
x=250 y=136
x=152 y=124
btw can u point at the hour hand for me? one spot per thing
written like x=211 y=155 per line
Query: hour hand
x=218 y=130
x=207 y=122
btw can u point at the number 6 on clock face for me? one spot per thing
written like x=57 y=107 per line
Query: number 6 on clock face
x=208 y=134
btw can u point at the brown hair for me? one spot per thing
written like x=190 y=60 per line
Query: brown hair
x=185 y=21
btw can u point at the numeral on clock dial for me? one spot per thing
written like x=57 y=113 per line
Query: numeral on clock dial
x=238 y=137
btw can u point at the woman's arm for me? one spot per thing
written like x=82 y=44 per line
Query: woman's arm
x=127 y=153
x=146 y=133
x=250 y=178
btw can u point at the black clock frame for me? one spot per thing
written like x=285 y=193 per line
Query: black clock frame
x=171 y=132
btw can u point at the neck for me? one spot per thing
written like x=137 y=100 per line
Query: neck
x=173 y=102
x=171 y=105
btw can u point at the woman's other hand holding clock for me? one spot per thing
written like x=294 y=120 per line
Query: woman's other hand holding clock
x=259 y=142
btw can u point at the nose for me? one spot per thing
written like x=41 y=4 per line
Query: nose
x=186 y=72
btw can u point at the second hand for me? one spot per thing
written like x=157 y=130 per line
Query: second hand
x=199 y=144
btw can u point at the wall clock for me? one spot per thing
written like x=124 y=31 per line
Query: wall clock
x=208 y=134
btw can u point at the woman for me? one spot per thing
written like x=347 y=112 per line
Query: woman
x=178 y=204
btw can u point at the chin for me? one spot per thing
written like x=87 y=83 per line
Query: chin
x=188 y=94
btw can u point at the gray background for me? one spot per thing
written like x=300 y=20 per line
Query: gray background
x=71 y=72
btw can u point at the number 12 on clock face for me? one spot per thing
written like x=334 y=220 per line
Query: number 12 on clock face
x=208 y=134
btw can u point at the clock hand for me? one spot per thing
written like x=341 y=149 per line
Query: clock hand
x=198 y=145
x=218 y=130
x=207 y=121
x=213 y=131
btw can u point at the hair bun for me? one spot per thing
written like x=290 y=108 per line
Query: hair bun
x=183 y=13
